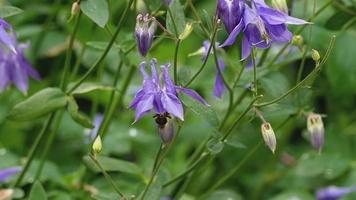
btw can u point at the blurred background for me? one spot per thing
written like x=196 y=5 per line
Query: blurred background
x=295 y=171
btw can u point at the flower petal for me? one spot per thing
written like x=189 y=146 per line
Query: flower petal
x=8 y=172
x=246 y=48
x=219 y=83
x=144 y=106
x=233 y=35
x=172 y=105
x=193 y=94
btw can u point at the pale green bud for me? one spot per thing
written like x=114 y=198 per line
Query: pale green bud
x=315 y=55
x=97 y=145
x=280 y=5
x=268 y=136
x=298 y=40
x=188 y=29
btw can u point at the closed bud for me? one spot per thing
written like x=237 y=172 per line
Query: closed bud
x=97 y=145
x=280 y=5
x=268 y=136
x=316 y=129
x=315 y=55
x=188 y=29
x=75 y=8
x=298 y=40
x=144 y=32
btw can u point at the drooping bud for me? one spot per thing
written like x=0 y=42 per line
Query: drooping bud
x=315 y=55
x=316 y=129
x=230 y=12
x=268 y=136
x=97 y=145
x=144 y=32
x=75 y=8
x=280 y=5
x=298 y=40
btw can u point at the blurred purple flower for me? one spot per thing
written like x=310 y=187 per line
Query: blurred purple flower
x=230 y=12
x=333 y=192
x=6 y=37
x=219 y=86
x=160 y=93
x=316 y=129
x=144 y=32
x=262 y=25
x=15 y=68
x=97 y=122
x=8 y=172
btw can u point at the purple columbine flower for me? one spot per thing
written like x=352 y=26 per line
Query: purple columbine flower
x=333 y=192
x=144 y=32
x=219 y=86
x=262 y=25
x=6 y=37
x=8 y=172
x=15 y=68
x=160 y=93
x=230 y=12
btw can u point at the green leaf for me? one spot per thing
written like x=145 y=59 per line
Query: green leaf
x=113 y=165
x=90 y=87
x=205 y=112
x=81 y=119
x=224 y=195
x=96 y=10
x=178 y=17
x=37 y=192
x=7 y=11
x=39 y=104
x=215 y=146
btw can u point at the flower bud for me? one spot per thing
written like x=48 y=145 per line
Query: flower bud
x=144 y=32
x=97 y=145
x=268 y=136
x=298 y=40
x=187 y=30
x=230 y=12
x=280 y=5
x=75 y=8
x=315 y=55
x=316 y=129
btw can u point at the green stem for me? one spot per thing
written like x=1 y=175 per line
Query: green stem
x=307 y=78
x=106 y=51
x=34 y=148
x=185 y=173
x=69 y=53
x=107 y=176
x=175 y=66
x=298 y=31
x=255 y=88
x=233 y=171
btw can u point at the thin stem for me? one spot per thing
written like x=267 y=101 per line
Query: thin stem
x=298 y=31
x=237 y=121
x=34 y=148
x=48 y=144
x=107 y=176
x=69 y=53
x=106 y=51
x=307 y=78
x=264 y=56
x=212 y=41
x=255 y=88
x=175 y=66
x=185 y=173
x=230 y=110
x=233 y=171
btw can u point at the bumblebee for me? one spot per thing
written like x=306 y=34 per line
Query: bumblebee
x=165 y=126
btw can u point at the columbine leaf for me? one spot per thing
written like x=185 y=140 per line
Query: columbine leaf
x=7 y=11
x=90 y=87
x=96 y=10
x=113 y=165
x=206 y=112
x=39 y=104
x=37 y=192
x=73 y=110
x=215 y=146
x=178 y=17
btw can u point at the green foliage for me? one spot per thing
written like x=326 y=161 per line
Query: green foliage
x=37 y=192
x=8 y=11
x=96 y=10
x=177 y=25
x=39 y=104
